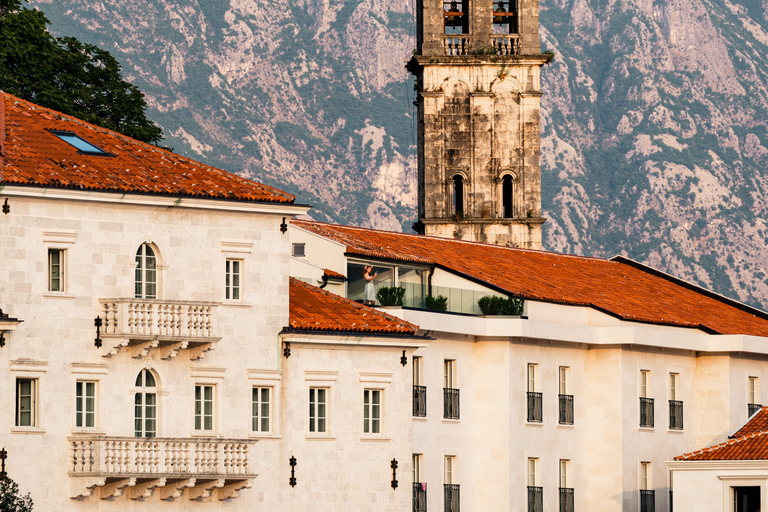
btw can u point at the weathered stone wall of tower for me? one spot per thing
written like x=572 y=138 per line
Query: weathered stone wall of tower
x=479 y=122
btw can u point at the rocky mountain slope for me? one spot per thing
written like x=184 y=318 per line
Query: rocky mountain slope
x=654 y=125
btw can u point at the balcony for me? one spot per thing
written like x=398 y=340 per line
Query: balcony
x=675 y=415
x=566 y=409
x=646 y=412
x=138 y=466
x=450 y=403
x=451 y=497
x=752 y=409
x=420 y=401
x=456 y=44
x=506 y=44
x=419 y=497
x=566 y=499
x=534 y=407
x=141 y=325
x=647 y=501
x=535 y=500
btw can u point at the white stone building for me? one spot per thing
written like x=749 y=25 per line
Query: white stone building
x=184 y=397
x=611 y=369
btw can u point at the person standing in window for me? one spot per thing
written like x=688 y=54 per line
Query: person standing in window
x=370 y=289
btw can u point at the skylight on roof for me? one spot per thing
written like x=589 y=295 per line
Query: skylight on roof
x=82 y=145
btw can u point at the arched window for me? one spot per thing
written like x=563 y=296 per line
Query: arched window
x=145 y=405
x=507 y=203
x=458 y=195
x=146 y=273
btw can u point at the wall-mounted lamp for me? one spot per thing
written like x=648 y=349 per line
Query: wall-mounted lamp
x=3 y=456
x=292 y=463
x=403 y=359
x=6 y=324
x=286 y=349
x=6 y=207
x=393 y=465
x=97 y=323
x=283 y=226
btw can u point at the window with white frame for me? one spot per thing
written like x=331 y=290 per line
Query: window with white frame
x=260 y=409
x=318 y=404
x=417 y=370
x=533 y=467
x=416 y=467
x=533 y=377
x=85 y=404
x=56 y=270
x=449 y=373
x=372 y=411
x=450 y=470
x=204 y=398
x=564 y=374
x=26 y=403
x=565 y=473
x=673 y=383
x=645 y=476
x=146 y=273
x=232 y=279
x=754 y=390
x=645 y=384
x=145 y=405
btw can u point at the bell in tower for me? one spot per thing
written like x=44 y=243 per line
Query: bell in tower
x=477 y=66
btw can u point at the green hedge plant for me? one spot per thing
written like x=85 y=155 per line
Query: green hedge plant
x=495 y=305
x=438 y=303
x=390 y=295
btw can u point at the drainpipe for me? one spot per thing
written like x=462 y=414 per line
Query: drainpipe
x=429 y=280
x=325 y=281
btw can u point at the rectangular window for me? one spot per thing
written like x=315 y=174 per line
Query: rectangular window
x=298 y=250
x=203 y=407
x=55 y=270
x=450 y=469
x=532 y=467
x=754 y=390
x=419 y=391
x=673 y=379
x=448 y=372
x=26 y=402
x=566 y=491
x=564 y=371
x=317 y=410
x=564 y=473
x=417 y=467
x=85 y=404
x=645 y=384
x=260 y=410
x=533 y=371
x=372 y=411
x=565 y=409
x=232 y=283
x=533 y=397
x=416 y=371
x=645 y=476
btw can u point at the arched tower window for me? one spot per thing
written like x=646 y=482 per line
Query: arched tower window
x=458 y=195
x=505 y=17
x=507 y=203
x=146 y=273
x=145 y=405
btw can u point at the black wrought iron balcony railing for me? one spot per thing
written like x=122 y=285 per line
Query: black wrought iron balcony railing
x=753 y=408
x=646 y=412
x=535 y=501
x=675 y=415
x=566 y=409
x=419 y=497
x=647 y=501
x=566 y=499
x=534 y=407
x=420 y=401
x=451 y=403
x=451 y=495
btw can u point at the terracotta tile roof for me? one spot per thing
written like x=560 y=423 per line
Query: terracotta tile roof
x=619 y=287
x=313 y=309
x=33 y=156
x=757 y=423
x=752 y=444
x=333 y=274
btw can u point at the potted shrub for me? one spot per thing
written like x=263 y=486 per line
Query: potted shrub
x=390 y=295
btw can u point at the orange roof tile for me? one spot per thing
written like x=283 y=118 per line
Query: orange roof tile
x=749 y=443
x=333 y=274
x=313 y=309
x=619 y=287
x=757 y=423
x=33 y=156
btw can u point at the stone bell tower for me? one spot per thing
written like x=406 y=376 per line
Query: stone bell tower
x=477 y=65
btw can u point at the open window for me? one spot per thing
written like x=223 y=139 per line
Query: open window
x=456 y=16
x=507 y=196
x=458 y=195
x=505 y=17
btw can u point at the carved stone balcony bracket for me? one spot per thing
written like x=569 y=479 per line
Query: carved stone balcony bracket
x=137 y=467
x=138 y=326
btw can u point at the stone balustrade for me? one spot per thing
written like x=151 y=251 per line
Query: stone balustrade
x=143 y=464
x=506 y=44
x=151 y=323
x=456 y=45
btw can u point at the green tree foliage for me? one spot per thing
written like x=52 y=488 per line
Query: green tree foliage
x=495 y=305
x=11 y=500
x=391 y=295
x=64 y=74
x=439 y=303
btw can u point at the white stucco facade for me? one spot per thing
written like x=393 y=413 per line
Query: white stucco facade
x=202 y=349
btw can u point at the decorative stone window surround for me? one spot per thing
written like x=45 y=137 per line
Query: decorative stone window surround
x=30 y=369
x=267 y=379
x=321 y=379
